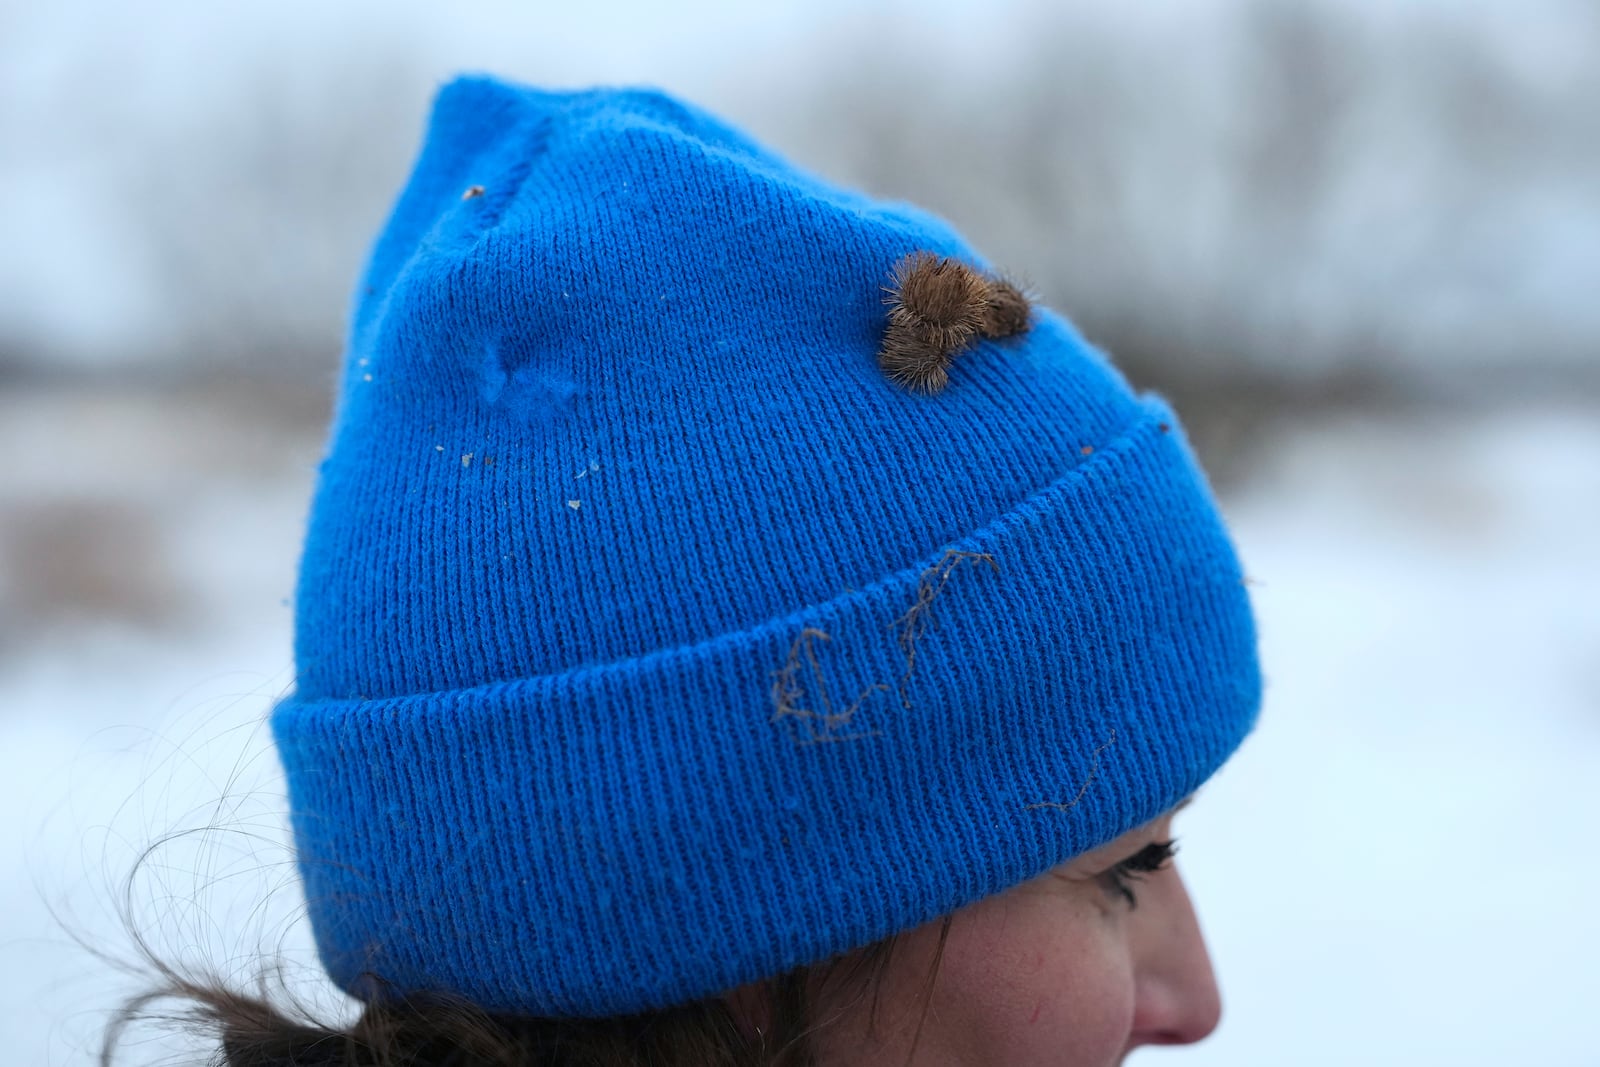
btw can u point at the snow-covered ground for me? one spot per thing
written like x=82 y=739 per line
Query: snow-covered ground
x=1394 y=870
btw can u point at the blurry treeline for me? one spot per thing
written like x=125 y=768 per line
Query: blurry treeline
x=1302 y=205
x=1308 y=206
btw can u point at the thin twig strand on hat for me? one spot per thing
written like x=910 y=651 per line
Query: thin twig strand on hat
x=918 y=616
x=822 y=723
x=1094 y=768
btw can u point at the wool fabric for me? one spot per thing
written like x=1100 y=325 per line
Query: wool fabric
x=650 y=640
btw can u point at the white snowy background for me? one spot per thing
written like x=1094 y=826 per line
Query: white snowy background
x=1389 y=338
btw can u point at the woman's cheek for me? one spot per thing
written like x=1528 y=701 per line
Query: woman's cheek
x=1036 y=982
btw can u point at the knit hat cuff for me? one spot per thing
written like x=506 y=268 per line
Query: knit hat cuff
x=711 y=814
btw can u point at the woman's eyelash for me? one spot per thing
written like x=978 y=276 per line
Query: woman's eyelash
x=1119 y=880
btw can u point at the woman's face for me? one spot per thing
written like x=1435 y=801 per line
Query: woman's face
x=1075 y=968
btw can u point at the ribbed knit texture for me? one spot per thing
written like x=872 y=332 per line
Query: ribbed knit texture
x=618 y=520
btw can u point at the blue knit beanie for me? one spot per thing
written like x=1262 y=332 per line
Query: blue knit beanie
x=652 y=639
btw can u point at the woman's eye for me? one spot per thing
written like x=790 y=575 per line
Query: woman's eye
x=1119 y=880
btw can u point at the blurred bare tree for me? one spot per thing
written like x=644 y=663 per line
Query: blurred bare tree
x=254 y=216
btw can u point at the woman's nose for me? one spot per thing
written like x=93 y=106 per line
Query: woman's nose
x=1176 y=998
